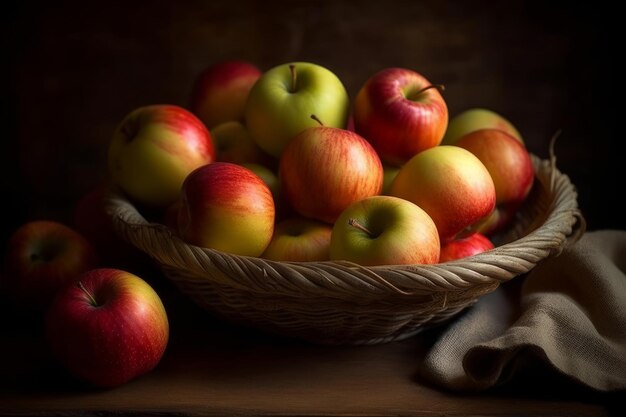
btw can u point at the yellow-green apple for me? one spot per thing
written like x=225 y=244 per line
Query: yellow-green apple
x=451 y=185
x=227 y=207
x=389 y=173
x=281 y=101
x=234 y=144
x=385 y=230
x=325 y=169
x=152 y=151
x=220 y=92
x=401 y=113
x=42 y=257
x=510 y=167
x=299 y=239
x=108 y=328
x=464 y=247
x=269 y=177
x=476 y=119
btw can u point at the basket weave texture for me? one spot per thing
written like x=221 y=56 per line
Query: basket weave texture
x=344 y=303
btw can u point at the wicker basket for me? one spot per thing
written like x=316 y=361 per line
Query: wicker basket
x=344 y=303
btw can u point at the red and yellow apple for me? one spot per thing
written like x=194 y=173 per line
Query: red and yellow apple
x=462 y=248
x=451 y=185
x=154 y=149
x=42 y=257
x=385 y=230
x=220 y=92
x=324 y=169
x=108 y=328
x=299 y=239
x=400 y=113
x=510 y=167
x=226 y=207
x=281 y=101
x=476 y=119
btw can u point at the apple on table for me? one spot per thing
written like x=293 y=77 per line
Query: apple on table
x=325 y=169
x=385 y=230
x=226 y=207
x=220 y=92
x=42 y=257
x=281 y=101
x=451 y=184
x=107 y=328
x=400 y=113
x=152 y=151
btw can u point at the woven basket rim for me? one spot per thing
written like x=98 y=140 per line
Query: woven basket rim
x=563 y=223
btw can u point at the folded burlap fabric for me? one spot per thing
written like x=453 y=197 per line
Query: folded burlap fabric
x=569 y=312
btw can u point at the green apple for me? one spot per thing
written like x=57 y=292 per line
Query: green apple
x=299 y=239
x=269 y=177
x=385 y=230
x=476 y=119
x=281 y=102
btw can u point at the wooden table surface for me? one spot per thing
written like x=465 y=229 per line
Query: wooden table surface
x=215 y=368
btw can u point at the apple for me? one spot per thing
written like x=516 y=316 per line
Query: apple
x=385 y=230
x=108 y=328
x=510 y=167
x=91 y=221
x=268 y=176
x=400 y=113
x=281 y=101
x=42 y=257
x=325 y=169
x=451 y=185
x=464 y=247
x=154 y=149
x=476 y=119
x=299 y=239
x=227 y=207
x=220 y=92
x=389 y=173
x=234 y=144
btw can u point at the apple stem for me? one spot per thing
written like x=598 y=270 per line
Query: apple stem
x=91 y=297
x=317 y=119
x=440 y=87
x=355 y=223
x=292 y=68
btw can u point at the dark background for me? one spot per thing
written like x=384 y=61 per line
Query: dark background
x=72 y=71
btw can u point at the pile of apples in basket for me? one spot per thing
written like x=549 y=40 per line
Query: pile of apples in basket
x=284 y=165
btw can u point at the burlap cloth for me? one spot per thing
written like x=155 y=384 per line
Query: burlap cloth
x=569 y=312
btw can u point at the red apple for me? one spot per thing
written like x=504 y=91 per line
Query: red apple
x=220 y=92
x=91 y=220
x=154 y=149
x=385 y=230
x=227 y=207
x=464 y=247
x=510 y=167
x=324 y=169
x=108 y=328
x=42 y=257
x=451 y=185
x=299 y=239
x=400 y=113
